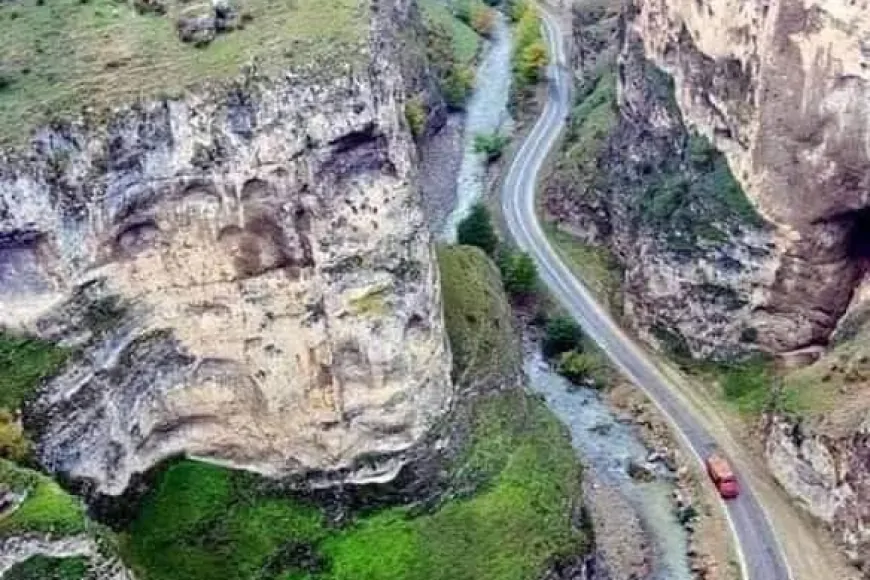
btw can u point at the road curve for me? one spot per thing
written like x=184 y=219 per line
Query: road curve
x=759 y=553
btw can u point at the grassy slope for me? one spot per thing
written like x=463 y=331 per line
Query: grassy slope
x=205 y=522
x=595 y=265
x=476 y=313
x=61 y=54
x=48 y=508
x=465 y=41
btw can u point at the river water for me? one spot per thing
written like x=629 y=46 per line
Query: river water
x=606 y=446
x=486 y=112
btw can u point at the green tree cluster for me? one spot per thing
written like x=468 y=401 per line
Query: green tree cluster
x=477 y=230
x=519 y=273
x=455 y=78
x=561 y=334
x=492 y=145
x=530 y=53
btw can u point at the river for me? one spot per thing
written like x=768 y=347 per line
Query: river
x=605 y=444
x=486 y=112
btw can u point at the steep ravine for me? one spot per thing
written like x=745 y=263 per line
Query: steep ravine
x=245 y=276
x=719 y=153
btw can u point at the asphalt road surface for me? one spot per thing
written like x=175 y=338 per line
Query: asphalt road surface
x=759 y=553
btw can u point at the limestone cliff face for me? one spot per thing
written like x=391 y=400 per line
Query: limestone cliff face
x=245 y=272
x=783 y=88
x=828 y=475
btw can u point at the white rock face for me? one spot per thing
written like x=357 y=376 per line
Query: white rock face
x=829 y=477
x=247 y=276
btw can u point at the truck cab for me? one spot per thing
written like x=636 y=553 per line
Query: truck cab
x=723 y=477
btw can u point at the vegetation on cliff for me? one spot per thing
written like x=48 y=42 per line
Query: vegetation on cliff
x=61 y=56
x=42 y=568
x=46 y=507
x=518 y=468
x=452 y=45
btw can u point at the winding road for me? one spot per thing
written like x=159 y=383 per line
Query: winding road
x=759 y=553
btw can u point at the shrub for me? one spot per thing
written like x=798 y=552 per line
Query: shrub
x=561 y=335
x=457 y=85
x=477 y=230
x=491 y=145
x=578 y=367
x=415 y=114
x=519 y=273
x=482 y=19
x=530 y=52
x=13 y=445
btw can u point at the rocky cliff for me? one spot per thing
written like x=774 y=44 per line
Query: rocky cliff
x=781 y=88
x=244 y=273
x=721 y=150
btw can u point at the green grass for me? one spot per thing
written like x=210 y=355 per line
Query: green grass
x=464 y=40
x=203 y=522
x=24 y=362
x=47 y=509
x=42 y=568
x=507 y=532
x=478 y=317
x=63 y=54
x=595 y=265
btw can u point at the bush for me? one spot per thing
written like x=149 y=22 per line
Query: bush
x=482 y=19
x=457 y=85
x=577 y=367
x=13 y=444
x=415 y=114
x=477 y=230
x=24 y=363
x=530 y=52
x=491 y=145
x=519 y=273
x=561 y=335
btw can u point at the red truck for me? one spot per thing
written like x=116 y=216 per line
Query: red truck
x=723 y=477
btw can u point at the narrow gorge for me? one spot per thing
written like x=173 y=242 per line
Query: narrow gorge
x=714 y=180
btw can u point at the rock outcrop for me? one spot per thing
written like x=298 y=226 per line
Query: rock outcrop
x=829 y=476
x=782 y=87
x=245 y=273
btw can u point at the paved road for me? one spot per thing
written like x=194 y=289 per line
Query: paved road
x=759 y=553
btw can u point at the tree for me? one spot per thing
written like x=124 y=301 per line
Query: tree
x=561 y=335
x=477 y=230
x=577 y=367
x=491 y=145
x=519 y=273
x=482 y=19
x=532 y=61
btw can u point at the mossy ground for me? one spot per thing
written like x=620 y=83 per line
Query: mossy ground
x=204 y=522
x=476 y=314
x=60 y=55
x=47 y=508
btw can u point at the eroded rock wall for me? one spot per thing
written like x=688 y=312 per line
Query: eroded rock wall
x=246 y=274
x=783 y=88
